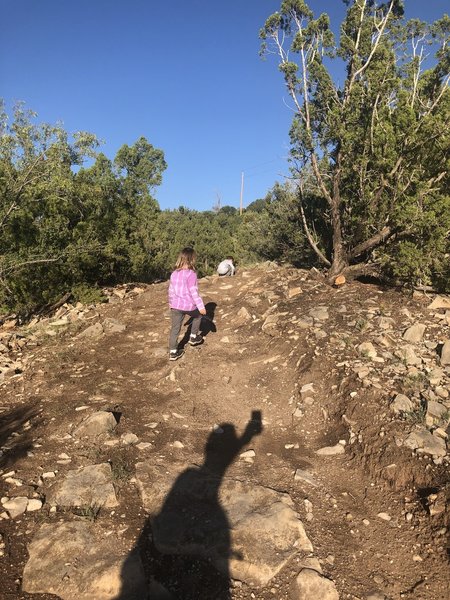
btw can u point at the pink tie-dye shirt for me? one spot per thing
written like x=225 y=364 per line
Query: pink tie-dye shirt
x=183 y=291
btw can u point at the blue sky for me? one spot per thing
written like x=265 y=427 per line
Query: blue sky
x=185 y=74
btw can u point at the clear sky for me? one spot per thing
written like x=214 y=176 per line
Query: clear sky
x=185 y=74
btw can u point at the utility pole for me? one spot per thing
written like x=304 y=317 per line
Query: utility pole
x=242 y=192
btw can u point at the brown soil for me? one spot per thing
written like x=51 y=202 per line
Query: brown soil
x=223 y=381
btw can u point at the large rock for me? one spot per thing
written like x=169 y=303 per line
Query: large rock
x=96 y=424
x=87 y=486
x=445 y=353
x=247 y=531
x=425 y=442
x=408 y=355
x=77 y=561
x=414 y=333
x=311 y=585
x=93 y=331
x=436 y=413
x=113 y=325
x=440 y=302
x=401 y=404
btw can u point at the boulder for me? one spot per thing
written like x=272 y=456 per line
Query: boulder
x=79 y=561
x=89 y=486
x=414 y=333
x=249 y=530
x=96 y=424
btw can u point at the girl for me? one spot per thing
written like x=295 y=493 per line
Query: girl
x=184 y=300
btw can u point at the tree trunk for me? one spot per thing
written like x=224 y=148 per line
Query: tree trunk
x=340 y=258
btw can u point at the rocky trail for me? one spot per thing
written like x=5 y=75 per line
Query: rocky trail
x=299 y=453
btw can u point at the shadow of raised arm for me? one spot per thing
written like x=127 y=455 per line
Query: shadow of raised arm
x=254 y=427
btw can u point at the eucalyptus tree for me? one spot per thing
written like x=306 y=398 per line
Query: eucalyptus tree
x=374 y=148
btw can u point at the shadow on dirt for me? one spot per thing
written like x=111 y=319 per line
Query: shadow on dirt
x=186 y=547
x=207 y=325
x=14 y=440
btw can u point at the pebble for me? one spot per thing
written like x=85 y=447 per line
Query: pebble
x=248 y=454
x=331 y=450
x=34 y=504
x=384 y=516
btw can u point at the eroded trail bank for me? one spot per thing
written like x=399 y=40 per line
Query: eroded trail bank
x=299 y=453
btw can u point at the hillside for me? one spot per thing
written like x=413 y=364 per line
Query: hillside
x=301 y=449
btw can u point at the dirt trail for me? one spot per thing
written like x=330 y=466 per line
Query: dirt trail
x=239 y=369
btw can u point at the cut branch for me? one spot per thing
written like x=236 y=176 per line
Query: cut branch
x=375 y=240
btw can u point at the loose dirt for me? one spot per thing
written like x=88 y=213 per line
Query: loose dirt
x=240 y=369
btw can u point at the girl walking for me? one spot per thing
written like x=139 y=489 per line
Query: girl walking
x=184 y=299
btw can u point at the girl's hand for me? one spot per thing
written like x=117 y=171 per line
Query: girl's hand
x=202 y=311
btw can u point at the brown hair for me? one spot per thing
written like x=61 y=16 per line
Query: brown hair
x=186 y=259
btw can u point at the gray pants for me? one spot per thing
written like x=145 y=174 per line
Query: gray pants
x=177 y=321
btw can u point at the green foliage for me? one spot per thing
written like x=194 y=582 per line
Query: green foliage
x=61 y=228
x=272 y=229
x=378 y=145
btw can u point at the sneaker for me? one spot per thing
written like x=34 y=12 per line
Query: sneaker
x=175 y=354
x=195 y=340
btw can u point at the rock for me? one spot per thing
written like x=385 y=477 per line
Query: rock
x=16 y=506
x=445 y=353
x=305 y=476
x=401 y=404
x=424 y=441
x=293 y=292
x=311 y=585
x=385 y=322
x=143 y=445
x=331 y=450
x=408 y=355
x=307 y=390
x=414 y=333
x=376 y=596
x=93 y=331
x=384 y=516
x=436 y=413
x=199 y=514
x=320 y=313
x=437 y=503
x=77 y=561
x=128 y=439
x=34 y=504
x=248 y=454
x=96 y=424
x=89 y=486
x=367 y=349
x=243 y=316
x=113 y=325
x=305 y=323
x=439 y=302
x=270 y=325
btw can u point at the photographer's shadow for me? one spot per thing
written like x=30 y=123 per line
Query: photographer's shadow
x=186 y=547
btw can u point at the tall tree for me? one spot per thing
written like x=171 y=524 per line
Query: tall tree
x=377 y=146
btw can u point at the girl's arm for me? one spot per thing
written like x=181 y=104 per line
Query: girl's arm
x=193 y=290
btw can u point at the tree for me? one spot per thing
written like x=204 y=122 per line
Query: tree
x=64 y=227
x=377 y=147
